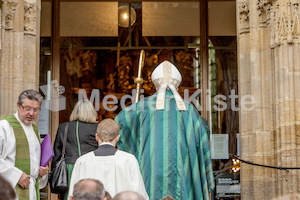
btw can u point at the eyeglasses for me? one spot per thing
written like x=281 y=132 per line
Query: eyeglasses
x=29 y=108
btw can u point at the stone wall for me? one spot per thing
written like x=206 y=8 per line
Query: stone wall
x=269 y=70
x=19 y=50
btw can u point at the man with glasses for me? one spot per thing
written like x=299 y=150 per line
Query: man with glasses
x=20 y=147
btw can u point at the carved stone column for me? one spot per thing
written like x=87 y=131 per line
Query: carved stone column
x=269 y=66
x=19 y=48
x=285 y=45
x=246 y=140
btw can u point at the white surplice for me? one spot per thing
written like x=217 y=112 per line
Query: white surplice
x=8 y=154
x=118 y=173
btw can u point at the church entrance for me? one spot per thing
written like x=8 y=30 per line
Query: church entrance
x=99 y=45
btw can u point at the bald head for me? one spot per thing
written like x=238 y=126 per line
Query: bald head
x=88 y=189
x=128 y=196
x=168 y=197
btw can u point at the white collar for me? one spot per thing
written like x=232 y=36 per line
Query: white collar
x=104 y=143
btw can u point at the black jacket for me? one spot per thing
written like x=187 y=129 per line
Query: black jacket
x=86 y=133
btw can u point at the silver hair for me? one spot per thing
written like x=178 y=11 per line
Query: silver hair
x=31 y=95
x=108 y=130
x=88 y=189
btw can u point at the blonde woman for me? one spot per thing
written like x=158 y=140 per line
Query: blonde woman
x=82 y=128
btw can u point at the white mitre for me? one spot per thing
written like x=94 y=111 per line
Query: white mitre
x=166 y=75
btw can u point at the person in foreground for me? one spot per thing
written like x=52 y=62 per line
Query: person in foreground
x=117 y=170
x=128 y=195
x=6 y=190
x=20 y=147
x=107 y=196
x=169 y=139
x=88 y=189
x=80 y=137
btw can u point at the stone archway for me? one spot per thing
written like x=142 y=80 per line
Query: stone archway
x=19 y=50
x=269 y=70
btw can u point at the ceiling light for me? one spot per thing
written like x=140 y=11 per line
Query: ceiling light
x=124 y=16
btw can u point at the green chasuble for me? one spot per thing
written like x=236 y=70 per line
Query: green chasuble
x=22 y=160
x=172 y=148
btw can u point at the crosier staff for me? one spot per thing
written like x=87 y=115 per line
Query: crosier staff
x=139 y=80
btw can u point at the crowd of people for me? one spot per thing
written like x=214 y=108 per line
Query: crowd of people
x=155 y=149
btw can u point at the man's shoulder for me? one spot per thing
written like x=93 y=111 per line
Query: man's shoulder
x=63 y=125
x=125 y=154
x=3 y=117
x=4 y=123
x=134 y=107
x=86 y=157
x=7 y=118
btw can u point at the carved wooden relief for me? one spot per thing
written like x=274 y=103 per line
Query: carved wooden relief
x=123 y=73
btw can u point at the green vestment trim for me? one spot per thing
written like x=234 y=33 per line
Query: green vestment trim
x=22 y=160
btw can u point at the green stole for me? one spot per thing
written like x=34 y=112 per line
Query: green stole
x=22 y=160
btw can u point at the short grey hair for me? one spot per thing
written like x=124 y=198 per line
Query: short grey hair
x=108 y=130
x=31 y=95
x=128 y=195
x=84 y=111
x=88 y=189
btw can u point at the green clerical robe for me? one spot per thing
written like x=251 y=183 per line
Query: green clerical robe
x=171 y=146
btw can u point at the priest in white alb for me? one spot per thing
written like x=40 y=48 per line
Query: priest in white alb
x=117 y=170
x=20 y=148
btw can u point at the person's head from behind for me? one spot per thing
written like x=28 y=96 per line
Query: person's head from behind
x=6 y=190
x=166 y=76
x=84 y=111
x=107 y=196
x=29 y=104
x=88 y=189
x=168 y=197
x=128 y=195
x=108 y=131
